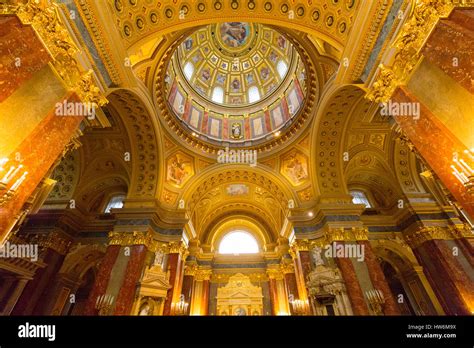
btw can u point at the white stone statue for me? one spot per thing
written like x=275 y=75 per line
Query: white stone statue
x=316 y=253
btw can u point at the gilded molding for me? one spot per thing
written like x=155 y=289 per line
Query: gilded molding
x=191 y=269
x=370 y=39
x=408 y=45
x=203 y=274
x=275 y=273
x=300 y=245
x=286 y=268
x=134 y=238
x=45 y=20
x=97 y=35
x=55 y=241
x=424 y=234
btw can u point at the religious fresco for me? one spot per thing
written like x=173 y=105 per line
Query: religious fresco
x=295 y=167
x=238 y=56
x=234 y=34
x=179 y=168
x=237 y=190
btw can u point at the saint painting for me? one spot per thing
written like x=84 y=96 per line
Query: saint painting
x=236 y=131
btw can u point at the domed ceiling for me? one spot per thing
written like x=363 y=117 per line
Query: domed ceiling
x=236 y=82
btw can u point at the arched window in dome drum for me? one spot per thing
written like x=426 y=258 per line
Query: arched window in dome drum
x=282 y=68
x=188 y=70
x=254 y=94
x=218 y=95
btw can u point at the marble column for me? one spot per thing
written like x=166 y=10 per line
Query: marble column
x=378 y=279
x=21 y=42
x=436 y=144
x=205 y=296
x=273 y=295
x=188 y=282
x=102 y=279
x=451 y=47
x=30 y=302
x=124 y=303
x=15 y=295
x=302 y=266
x=453 y=286
x=175 y=268
x=354 y=291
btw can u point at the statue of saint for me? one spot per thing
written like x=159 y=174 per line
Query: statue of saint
x=316 y=253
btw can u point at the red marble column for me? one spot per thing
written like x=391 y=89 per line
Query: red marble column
x=30 y=302
x=291 y=287
x=467 y=249
x=305 y=260
x=436 y=144
x=378 y=280
x=124 y=303
x=354 y=291
x=22 y=54
x=205 y=296
x=174 y=266
x=188 y=282
x=102 y=279
x=453 y=41
x=273 y=295
x=451 y=284
x=39 y=151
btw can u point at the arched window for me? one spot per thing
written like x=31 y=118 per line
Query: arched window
x=282 y=68
x=238 y=242
x=218 y=95
x=188 y=70
x=359 y=197
x=254 y=94
x=116 y=202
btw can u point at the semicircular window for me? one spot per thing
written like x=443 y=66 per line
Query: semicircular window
x=238 y=242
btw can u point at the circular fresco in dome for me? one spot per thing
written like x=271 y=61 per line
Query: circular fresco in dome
x=234 y=34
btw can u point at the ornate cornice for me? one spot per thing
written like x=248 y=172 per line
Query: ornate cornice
x=45 y=20
x=134 y=238
x=408 y=45
x=55 y=241
x=97 y=35
x=346 y=235
x=300 y=245
x=418 y=237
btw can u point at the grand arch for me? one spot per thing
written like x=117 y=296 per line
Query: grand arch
x=144 y=133
x=329 y=20
x=327 y=145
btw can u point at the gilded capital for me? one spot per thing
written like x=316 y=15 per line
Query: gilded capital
x=424 y=234
x=134 y=238
x=275 y=273
x=203 y=274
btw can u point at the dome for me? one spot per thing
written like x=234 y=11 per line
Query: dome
x=236 y=82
